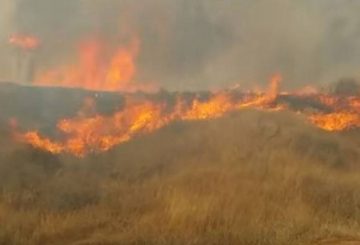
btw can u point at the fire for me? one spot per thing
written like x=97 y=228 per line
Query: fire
x=345 y=113
x=26 y=42
x=95 y=133
x=355 y=103
x=122 y=66
x=101 y=133
x=42 y=143
x=274 y=88
x=336 y=121
x=215 y=107
x=94 y=71
x=221 y=102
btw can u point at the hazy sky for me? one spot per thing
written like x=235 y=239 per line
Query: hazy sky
x=199 y=44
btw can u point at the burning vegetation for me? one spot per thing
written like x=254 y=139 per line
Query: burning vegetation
x=25 y=42
x=98 y=68
x=95 y=70
x=114 y=133
x=91 y=132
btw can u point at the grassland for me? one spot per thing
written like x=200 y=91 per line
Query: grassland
x=248 y=178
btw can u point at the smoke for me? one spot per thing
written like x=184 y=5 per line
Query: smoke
x=188 y=44
x=7 y=8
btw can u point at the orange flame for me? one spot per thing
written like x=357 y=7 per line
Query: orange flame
x=42 y=143
x=91 y=134
x=336 y=121
x=94 y=72
x=101 y=133
x=26 y=42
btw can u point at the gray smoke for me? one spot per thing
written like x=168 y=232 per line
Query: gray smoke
x=189 y=44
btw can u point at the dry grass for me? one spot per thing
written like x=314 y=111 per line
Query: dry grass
x=250 y=178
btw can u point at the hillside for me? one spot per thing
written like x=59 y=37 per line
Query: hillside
x=249 y=177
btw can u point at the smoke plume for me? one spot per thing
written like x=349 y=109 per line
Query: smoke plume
x=188 y=44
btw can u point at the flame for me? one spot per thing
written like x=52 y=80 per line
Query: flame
x=221 y=102
x=215 y=107
x=122 y=66
x=345 y=113
x=25 y=42
x=95 y=133
x=101 y=133
x=336 y=121
x=41 y=143
x=355 y=103
x=94 y=71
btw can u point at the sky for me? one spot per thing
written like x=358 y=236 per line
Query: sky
x=201 y=44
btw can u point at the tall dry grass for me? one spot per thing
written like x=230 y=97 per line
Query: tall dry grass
x=248 y=178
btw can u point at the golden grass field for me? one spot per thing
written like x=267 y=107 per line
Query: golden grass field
x=247 y=178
